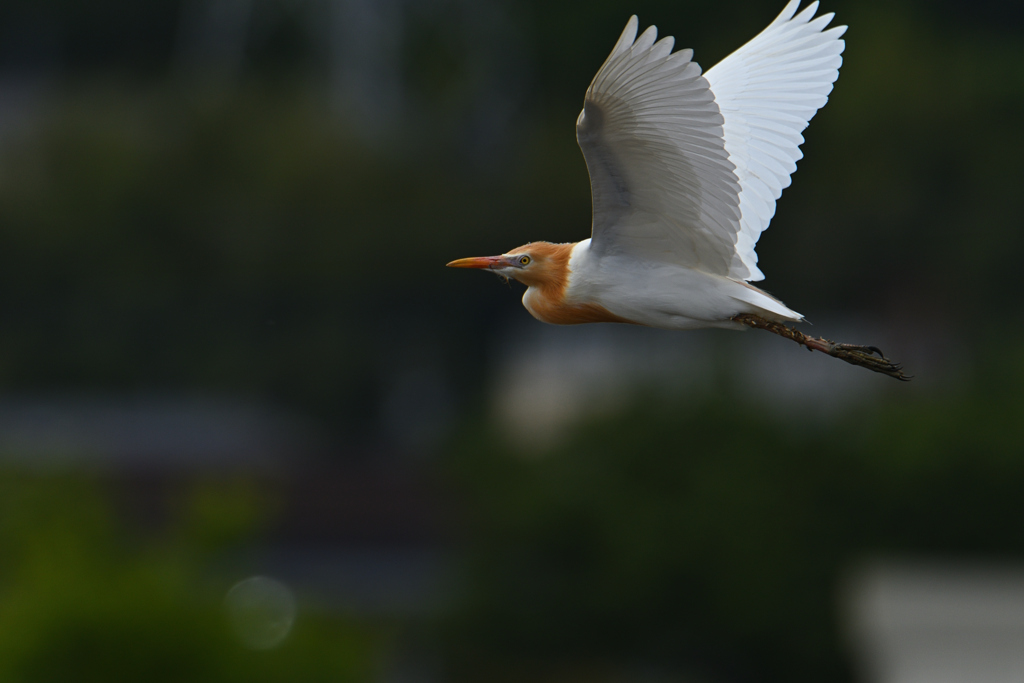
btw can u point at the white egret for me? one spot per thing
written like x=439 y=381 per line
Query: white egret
x=685 y=169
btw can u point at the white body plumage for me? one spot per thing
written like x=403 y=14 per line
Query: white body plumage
x=661 y=294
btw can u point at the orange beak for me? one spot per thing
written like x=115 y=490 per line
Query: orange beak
x=480 y=262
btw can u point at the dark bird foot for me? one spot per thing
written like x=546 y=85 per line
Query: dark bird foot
x=870 y=357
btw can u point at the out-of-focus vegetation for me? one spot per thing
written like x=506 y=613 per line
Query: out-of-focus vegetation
x=172 y=230
x=84 y=595
x=714 y=540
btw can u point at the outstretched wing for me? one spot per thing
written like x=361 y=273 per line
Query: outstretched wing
x=768 y=90
x=672 y=176
x=662 y=183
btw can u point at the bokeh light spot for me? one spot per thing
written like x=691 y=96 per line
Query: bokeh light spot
x=261 y=611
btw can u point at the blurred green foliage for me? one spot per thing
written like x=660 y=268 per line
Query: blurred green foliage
x=159 y=233
x=713 y=538
x=83 y=596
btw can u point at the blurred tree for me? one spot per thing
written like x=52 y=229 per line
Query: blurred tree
x=713 y=538
x=82 y=598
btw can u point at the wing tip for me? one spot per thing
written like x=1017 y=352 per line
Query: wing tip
x=627 y=37
x=787 y=12
x=628 y=33
x=646 y=39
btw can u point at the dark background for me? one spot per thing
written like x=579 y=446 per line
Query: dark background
x=228 y=346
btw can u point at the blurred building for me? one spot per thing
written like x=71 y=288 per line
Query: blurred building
x=361 y=535
x=939 y=623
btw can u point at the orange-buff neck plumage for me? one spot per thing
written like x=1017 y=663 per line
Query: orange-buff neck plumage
x=548 y=280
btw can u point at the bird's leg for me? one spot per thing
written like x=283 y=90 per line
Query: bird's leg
x=864 y=356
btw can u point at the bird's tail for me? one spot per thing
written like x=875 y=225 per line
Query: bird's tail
x=766 y=304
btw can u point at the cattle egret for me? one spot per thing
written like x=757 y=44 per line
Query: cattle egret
x=685 y=170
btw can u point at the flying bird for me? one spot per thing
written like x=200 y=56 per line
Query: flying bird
x=685 y=169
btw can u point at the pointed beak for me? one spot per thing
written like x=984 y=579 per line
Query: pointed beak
x=480 y=262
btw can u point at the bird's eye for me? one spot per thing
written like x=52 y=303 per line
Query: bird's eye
x=524 y=261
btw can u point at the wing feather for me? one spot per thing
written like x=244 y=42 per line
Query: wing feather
x=686 y=167
x=767 y=91
x=663 y=186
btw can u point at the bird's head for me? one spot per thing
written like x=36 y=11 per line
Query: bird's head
x=536 y=264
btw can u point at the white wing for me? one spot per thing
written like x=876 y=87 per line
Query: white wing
x=671 y=176
x=768 y=90
x=662 y=183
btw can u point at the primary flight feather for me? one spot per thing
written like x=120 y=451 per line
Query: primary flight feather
x=685 y=169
